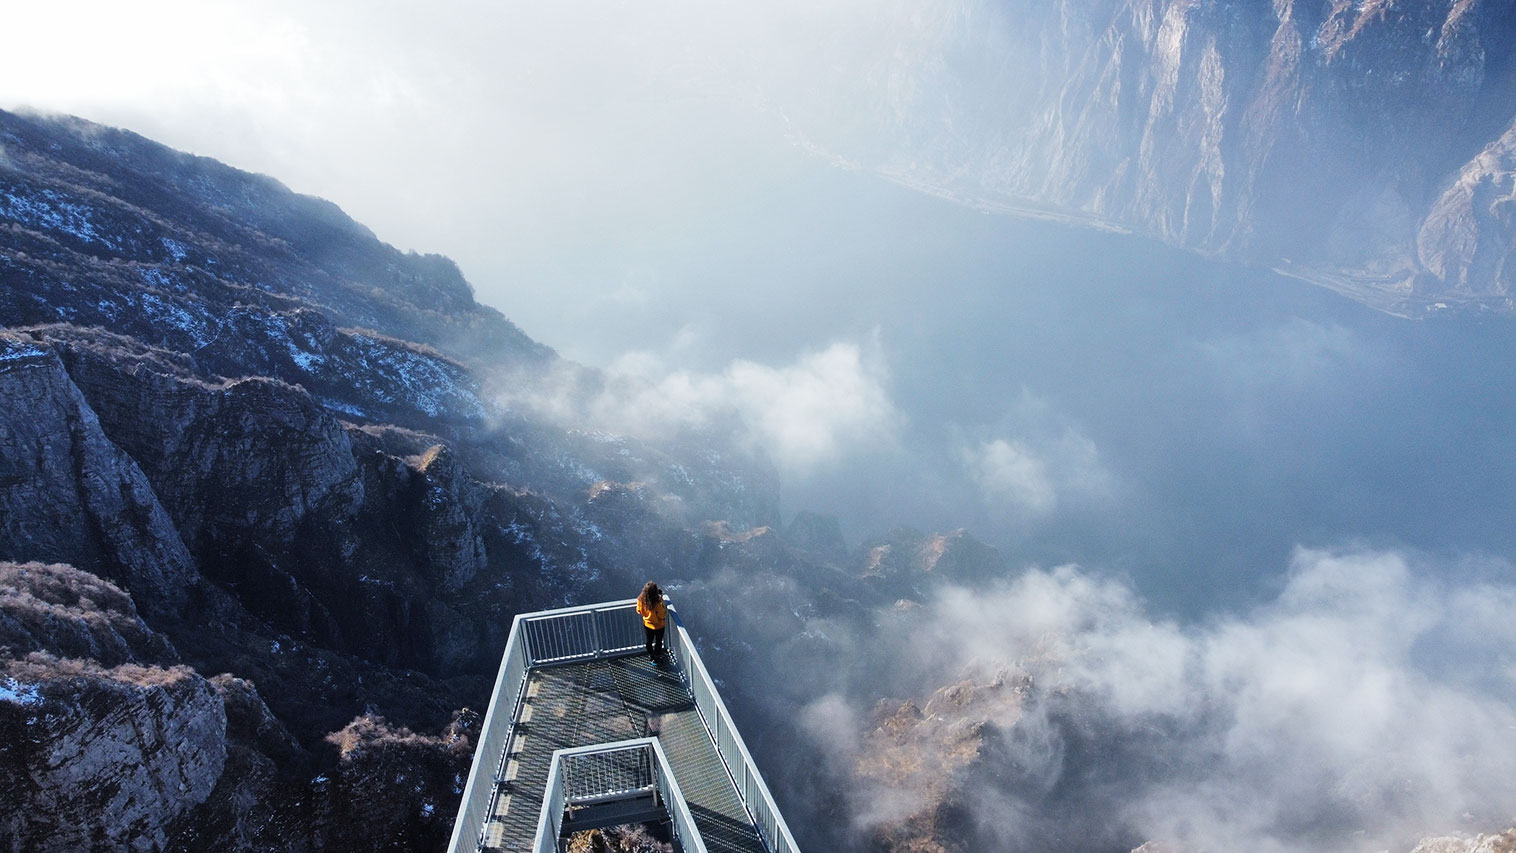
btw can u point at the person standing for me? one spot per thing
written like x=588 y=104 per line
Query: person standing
x=655 y=617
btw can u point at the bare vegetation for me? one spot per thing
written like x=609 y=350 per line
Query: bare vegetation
x=72 y=614
x=626 y=838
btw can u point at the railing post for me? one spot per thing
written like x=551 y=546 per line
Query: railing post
x=595 y=634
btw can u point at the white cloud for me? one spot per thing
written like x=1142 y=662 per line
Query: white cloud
x=1009 y=471
x=1368 y=704
x=1029 y=476
x=823 y=407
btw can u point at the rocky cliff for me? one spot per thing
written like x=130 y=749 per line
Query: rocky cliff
x=268 y=501
x=1366 y=146
x=107 y=739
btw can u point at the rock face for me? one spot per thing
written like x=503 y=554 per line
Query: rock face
x=72 y=496
x=907 y=562
x=940 y=753
x=1366 y=146
x=299 y=516
x=1505 y=842
x=105 y=741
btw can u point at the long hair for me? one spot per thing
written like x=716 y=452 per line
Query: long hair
x=650 y=595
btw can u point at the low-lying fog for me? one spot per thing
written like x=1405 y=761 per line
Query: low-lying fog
x=1065 y=394
x=1261 y=534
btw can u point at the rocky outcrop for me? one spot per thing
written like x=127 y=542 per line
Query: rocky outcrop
x=68 y=494
x=110 y=757
x=1465 y=242
x=450 y=508
x=1505 y=842
x=933 y=756
x=907 y=562
x=265 y=795
x=62 y=611
x=375 y=753
x=96 y=755
x=254 y=453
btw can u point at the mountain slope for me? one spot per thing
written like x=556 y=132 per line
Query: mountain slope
x=283 y=444
x=1366 y=146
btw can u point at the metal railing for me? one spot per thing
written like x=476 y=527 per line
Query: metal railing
x=537 y=639
x=608 y=772
x=574 y=634
x=489 y=751
x=583 y=633
x=739 y=762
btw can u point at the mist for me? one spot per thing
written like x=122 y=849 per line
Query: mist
x=1071 y=396
x=1261 y=533
x=1366 y=705
x=586 y=164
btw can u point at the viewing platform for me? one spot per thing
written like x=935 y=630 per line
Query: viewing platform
x=584 y=731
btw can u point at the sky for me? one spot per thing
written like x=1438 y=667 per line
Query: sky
x=558 y=152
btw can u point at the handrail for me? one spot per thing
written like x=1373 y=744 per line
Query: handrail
x=550 y=819
x=581 y=633
x=739 y=762
x=551 y=636
x=571 y=634
x=685 y=831
x=659 y=779
x=494 y=735
x=602 y=773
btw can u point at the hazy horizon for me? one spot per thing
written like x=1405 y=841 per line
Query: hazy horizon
x=638 y=190
x=543 y=149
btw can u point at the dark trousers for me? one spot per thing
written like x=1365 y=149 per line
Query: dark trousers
x=654 y=641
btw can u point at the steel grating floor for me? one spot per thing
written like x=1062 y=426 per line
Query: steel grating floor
x=609 y=700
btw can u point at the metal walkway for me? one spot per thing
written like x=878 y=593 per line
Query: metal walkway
x=578 y=678
x=581 y=704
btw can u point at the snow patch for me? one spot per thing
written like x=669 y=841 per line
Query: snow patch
x=164 y=312
x=159 y=278
x=51 y=211
x=306 y=361
x=578 y=469
x=14 y=350
x=16 y=693
x=175 y=249
x=423 y=382
x=589 y=529
x=339 y=406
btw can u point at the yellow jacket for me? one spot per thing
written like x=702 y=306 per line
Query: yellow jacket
x=654 y=617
